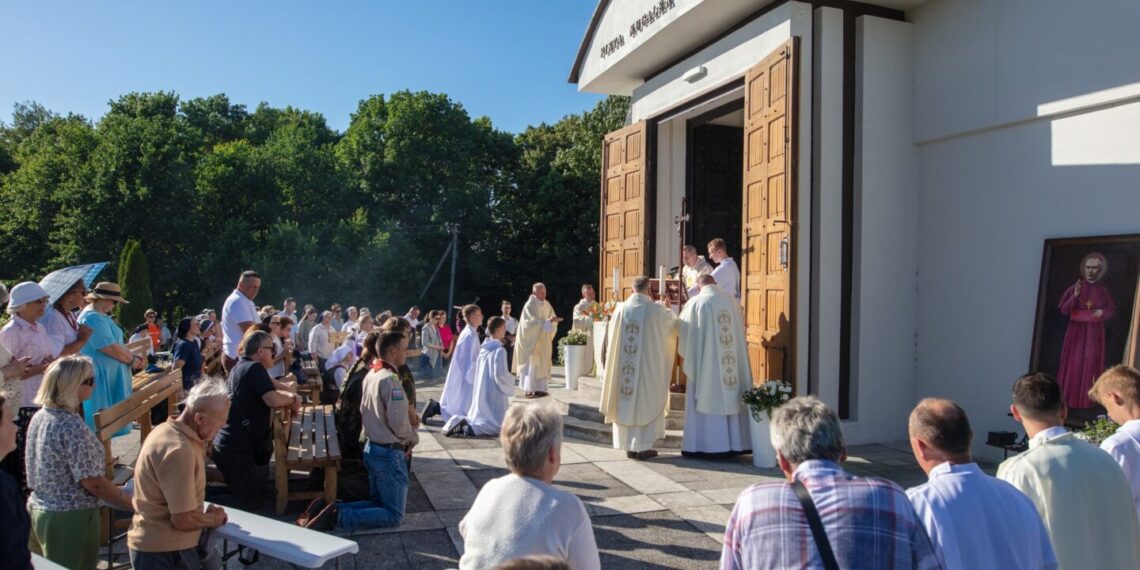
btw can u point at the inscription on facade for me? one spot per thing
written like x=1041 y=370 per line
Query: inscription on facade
x=639 y=25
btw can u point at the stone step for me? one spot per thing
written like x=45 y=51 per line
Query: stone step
x=676 y=402
x=601 y=433
x=574 y=404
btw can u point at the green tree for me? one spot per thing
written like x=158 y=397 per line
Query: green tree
x=134 y=279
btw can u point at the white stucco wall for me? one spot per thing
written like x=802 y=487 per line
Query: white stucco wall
x=1025 y=112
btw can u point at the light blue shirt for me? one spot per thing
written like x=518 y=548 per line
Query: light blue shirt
x=978 y=521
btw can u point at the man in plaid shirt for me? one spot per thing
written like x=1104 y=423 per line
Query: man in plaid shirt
x=869 y=522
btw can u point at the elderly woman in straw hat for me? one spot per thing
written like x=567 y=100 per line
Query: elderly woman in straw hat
x=112 y=359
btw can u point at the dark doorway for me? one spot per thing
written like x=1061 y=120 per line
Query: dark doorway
x=715 y=178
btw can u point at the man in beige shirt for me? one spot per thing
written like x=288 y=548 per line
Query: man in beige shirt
x=390 y=436
x=170 y=485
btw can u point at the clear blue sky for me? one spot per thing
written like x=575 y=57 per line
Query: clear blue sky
x=506 y=59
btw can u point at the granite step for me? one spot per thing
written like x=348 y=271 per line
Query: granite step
x=596 y=432
x=571 y=403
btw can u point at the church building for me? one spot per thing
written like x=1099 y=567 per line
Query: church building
x=885 y=174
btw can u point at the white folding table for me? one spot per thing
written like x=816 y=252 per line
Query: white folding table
x=286 y=542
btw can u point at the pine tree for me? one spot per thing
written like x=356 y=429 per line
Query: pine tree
x=134 y=278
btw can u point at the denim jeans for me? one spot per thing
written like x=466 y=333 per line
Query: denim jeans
x=388 y=488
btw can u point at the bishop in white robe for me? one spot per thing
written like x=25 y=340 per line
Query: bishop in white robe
x=494 y=386
x=639 y=359
x=533 y=346
x=583 y=321
x=716 y=363
x=460 y=382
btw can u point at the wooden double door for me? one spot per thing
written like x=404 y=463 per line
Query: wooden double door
x=768 y=239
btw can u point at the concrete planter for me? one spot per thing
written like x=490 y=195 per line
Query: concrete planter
x=575 y=363
x=763 y=454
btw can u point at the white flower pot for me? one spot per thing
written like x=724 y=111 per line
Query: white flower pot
x=574 y=358
x=599 y=348
x=763 y=454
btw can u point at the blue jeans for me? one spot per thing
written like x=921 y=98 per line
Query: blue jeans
x=388 y=488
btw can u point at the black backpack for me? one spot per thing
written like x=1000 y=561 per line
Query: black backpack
x=348 y=422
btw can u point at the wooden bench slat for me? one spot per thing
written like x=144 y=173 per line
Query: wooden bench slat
x=320 y=451
x=330 y=431
x=112 y=418
x=294 y=437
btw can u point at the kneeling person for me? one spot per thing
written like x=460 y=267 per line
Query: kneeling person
x=494 y=386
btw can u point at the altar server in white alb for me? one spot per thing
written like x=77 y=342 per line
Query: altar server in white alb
x=639 y=358
x=1079 y=491
x=725 y=270
x=494 y=386
x=460 y=382
x=973 y=520
x=583 y=321
x=533 y=347
x=716 y=364
x=1118 y=390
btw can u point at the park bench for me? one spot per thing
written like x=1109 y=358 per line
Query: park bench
x=283 y=541
x=149 y=391
x=305 y=441
x=140 y=348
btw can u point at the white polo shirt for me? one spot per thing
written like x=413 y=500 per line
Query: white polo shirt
x=238 y=309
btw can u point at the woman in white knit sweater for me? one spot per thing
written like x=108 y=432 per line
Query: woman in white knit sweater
x=522 y=514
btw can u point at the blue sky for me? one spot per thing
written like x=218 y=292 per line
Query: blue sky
x=506 y=59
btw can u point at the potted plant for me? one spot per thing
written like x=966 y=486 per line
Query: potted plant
x=761 y=400
x=574 y=352
x=1098 y=430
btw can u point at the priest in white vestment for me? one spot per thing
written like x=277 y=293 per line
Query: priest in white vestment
x=584 y=321
x=725 y=270
x=460 y=382
x=639 y=359
x=973 y=520
x=716 y=364
x=494 y=386
x=695 y=266
x=1079 y=491
x=533 y=346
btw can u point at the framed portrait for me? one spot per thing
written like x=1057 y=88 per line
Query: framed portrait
x=1086 y=311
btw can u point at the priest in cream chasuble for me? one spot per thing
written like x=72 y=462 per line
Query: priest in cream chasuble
x=716 y=363
x=533 y=346
x=639 y=359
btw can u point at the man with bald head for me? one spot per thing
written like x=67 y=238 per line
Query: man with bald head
x=974 y=520
x=533 y=344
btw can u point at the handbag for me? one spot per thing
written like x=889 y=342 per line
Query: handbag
x=817 y=531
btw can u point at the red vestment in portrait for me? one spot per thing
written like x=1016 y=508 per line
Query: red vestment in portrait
x=1082 y=354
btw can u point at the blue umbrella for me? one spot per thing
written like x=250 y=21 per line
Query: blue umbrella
x=59 y=281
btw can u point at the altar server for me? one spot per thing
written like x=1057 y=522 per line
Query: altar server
x=725 y=270
x=1118 y=390
x=716 y=363
x=461 y=376
x=494 y=386
x=533 y=346
x=1079 y=491
x=973 y=520
x=639 y=358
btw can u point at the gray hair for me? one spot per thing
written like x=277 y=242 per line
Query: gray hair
x=536 y=287
x=691 y=249
x=529 y=432
x=641 y=284
x=205 y=391
x=805 y=428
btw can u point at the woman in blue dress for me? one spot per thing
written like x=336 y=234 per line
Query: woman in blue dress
x=113 y=361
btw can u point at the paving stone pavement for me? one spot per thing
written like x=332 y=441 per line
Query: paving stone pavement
x=668 y=512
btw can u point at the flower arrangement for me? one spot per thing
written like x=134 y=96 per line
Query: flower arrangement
x=767 y=397
x=595 y=312
x=575 y=337
x=1098 y=430
x=608 y=310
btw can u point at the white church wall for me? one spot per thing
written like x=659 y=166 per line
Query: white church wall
x=1023 y=135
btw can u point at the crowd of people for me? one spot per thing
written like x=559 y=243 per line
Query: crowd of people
x=63 y=359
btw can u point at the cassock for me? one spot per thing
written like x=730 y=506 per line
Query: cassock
x=533 y=345
x=1082 y=497
x=639 y=358
x=1082 y=353
x=727 y=275
x=584 y=322
x=716 y=363
x=691 y=274
x=978 y=521
x=494 y=386
x=460 y=380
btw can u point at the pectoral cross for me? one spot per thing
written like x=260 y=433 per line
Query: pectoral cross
x=1089 y=304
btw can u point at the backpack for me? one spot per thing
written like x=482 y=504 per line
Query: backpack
x=348 y=421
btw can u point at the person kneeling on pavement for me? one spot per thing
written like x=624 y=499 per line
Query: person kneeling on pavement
x=390 y=436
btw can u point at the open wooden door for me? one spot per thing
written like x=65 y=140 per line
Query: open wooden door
x=624 y=204
x=768 y=264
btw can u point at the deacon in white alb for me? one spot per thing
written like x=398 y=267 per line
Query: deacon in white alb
x=725 y=271
x=639 y=358
x=533 y=346
x=460 y=382
x=583 y=321
x=716 y=363
x=494 y=386
x=973 y=520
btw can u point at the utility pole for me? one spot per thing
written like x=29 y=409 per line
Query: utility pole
x=454 y=255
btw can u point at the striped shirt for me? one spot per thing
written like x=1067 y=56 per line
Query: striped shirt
x=869 y=523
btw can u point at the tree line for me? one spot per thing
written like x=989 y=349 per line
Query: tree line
x=205 y=188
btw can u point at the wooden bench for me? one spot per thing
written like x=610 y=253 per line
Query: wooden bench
x=140 y=348
x=149 y=391
x=283 y=541
x=305 y=441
